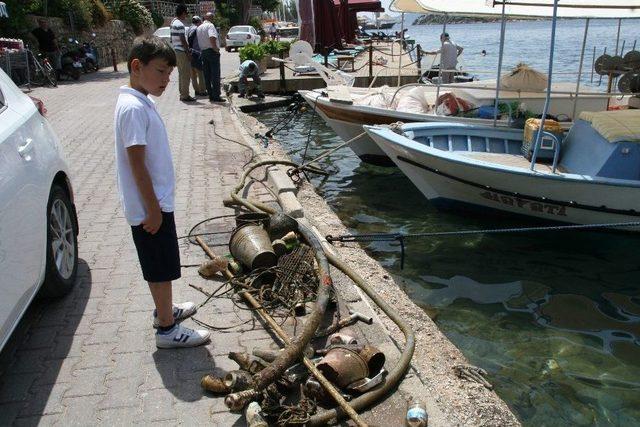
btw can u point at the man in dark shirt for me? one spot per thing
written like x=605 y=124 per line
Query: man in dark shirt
x=48 y=43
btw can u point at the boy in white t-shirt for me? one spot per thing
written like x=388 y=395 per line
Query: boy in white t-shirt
x=146 y=184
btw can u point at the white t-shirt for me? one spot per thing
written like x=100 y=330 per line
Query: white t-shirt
x=206 y=30
x=177 y=29
x=449 y=55
x=137 y=122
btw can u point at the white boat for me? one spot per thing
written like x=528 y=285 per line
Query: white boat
x=597 y=178
x=346 y=116
x=363 y=106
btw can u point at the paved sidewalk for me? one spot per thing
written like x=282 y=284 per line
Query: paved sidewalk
x=90 y=358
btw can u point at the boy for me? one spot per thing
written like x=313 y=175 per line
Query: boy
x=146 y=185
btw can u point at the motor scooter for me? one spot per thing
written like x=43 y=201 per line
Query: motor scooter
x=71 y=65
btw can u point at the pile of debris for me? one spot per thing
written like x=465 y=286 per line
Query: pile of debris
x=280 y=271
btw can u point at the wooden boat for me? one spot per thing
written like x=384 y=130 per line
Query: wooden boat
x=595 y=179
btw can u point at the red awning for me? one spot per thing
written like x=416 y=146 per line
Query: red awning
x=362 y=5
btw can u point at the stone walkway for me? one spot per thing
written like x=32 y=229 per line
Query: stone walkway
x=90 y=358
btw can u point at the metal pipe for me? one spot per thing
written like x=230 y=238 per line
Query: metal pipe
x=547 y=101
x=584 y=45
x=593 y=63
x=618 y=35
x=503 y=27
x=401 y=49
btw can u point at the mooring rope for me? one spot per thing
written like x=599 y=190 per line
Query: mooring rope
x=401 y=237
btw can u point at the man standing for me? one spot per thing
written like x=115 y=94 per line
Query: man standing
x=449 y=53
x=197 y=76
x=210 y=45
x=48 y=44
x=183 y=55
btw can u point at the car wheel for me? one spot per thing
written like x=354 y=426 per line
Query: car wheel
x=62 y=245
x=228 y=49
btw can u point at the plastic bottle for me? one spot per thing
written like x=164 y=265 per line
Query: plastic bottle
x=417 y=415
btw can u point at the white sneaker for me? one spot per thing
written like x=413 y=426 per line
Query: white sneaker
x=181 y=336
x=180 y=312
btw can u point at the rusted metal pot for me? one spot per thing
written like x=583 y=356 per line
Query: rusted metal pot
x=342 y=366
x=250 y=245
x=374 y=359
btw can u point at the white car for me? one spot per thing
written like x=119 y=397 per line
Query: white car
x=38 y=221
x=164 y=33
x=241 y=35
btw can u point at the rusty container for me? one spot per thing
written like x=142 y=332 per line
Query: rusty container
x=250 y=245
x=343 y=366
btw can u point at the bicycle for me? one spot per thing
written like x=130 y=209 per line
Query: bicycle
x=41 y=73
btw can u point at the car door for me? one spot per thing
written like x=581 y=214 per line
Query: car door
x=22 y=216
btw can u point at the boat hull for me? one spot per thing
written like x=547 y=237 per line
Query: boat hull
x=442 y=177
x=347 y=122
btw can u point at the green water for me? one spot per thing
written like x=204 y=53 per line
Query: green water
x=553 y=317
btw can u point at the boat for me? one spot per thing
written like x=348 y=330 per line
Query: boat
x=346 y=114
x=355 y=107
x=594 y=178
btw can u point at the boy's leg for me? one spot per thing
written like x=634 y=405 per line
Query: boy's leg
x=162 y=298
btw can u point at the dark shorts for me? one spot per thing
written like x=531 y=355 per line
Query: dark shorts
x=158 y=253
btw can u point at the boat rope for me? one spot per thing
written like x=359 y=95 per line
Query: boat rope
x=402 y=237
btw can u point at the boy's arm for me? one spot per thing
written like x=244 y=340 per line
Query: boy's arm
x=152 y=222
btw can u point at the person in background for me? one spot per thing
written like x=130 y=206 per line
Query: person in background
x=449 y=53
x=183 y=53
x=209 y=42
x=197 y=75
x=273 y=31
x=249 y=69
x=48 y=44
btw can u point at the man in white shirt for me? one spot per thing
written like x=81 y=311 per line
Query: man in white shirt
x=183 y=53
x=449 y=53
x=209 y=42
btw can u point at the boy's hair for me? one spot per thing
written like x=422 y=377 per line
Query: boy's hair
x=181 y=9
x=147 y=48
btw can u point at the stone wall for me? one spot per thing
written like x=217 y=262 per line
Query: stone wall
x=114 y=34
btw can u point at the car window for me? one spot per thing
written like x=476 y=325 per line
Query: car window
x=2 y=104
x=242 y=29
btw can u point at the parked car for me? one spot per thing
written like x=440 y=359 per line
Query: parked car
x=164 y=33
x=241 y=35
x=38 y=221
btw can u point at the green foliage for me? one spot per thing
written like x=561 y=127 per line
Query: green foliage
x=229 y=12
x=158 y=19
x=99 y=13
x=221 y=22
x=76 y=13
x=254 y=52
x=17 y=25
x=268 y=5
x=133 y=13
x=256 y=23
x=273 y=47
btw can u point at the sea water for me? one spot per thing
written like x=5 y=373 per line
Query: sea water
x=553 y=317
